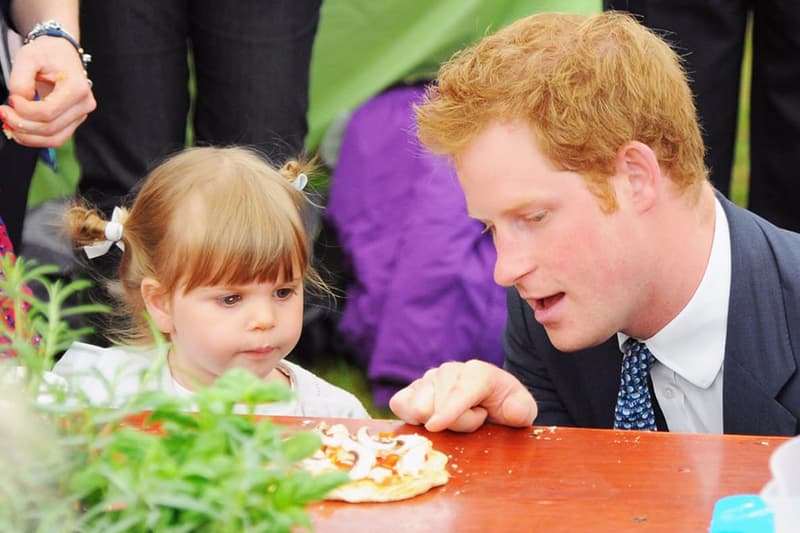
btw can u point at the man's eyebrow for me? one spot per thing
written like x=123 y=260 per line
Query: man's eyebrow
x=521 y=204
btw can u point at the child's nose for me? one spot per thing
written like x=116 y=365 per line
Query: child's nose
x=263 y=315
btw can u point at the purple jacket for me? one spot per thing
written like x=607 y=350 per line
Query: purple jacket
x=423 y=292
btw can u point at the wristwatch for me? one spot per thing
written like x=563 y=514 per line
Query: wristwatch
x=51 y=28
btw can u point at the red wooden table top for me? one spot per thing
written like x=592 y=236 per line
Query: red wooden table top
x=563 y=479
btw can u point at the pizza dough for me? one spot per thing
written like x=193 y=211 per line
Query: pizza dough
x=383 y=467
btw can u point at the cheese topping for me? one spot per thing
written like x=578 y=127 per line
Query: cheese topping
x=377 y=457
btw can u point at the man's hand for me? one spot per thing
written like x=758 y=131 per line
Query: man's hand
x=51 y=67
x=461 y=396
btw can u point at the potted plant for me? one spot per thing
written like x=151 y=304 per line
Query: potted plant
x=158 y=463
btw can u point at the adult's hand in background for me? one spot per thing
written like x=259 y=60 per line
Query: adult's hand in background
x=51 y=68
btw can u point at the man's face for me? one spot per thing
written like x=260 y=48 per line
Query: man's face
x=567 y=258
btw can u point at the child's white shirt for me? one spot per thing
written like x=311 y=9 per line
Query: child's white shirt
x=112 y=375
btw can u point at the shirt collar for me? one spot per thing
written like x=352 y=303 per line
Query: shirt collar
x=693 y=343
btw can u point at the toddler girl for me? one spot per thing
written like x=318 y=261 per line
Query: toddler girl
x=214 y=249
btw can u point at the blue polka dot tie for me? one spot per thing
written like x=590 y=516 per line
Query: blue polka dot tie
x=634 y=406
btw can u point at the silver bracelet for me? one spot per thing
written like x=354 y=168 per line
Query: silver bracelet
x=51 y=28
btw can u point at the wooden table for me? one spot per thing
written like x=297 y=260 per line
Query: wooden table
x=563 y=479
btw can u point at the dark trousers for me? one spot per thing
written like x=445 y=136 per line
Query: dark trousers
x=710 y=35
x=17 y=162
x=251 y=60
x=16 y=170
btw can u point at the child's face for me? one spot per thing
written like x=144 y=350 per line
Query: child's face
x=251 y=326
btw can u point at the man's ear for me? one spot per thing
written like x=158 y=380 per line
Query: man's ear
x=638 y=165
x=157 y=303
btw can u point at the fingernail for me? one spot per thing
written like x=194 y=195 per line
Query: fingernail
x=8 y=133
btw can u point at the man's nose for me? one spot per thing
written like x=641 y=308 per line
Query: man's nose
x=513 y=261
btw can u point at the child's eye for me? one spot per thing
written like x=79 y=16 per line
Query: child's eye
x=284 y=293
x=230 y=299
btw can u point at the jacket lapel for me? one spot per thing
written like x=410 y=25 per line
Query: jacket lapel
x=758 y=354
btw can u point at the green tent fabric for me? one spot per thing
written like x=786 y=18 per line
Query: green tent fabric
x=364 y=46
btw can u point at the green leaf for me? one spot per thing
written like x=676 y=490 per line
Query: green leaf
x=301 y=445
x=177 y=418
x=238 y=385
x=308 y=488
x=183 y=503
x=123 y=525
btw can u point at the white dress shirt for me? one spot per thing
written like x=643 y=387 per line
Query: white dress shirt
x=689 y=351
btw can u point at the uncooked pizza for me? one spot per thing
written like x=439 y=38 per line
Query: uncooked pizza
x=382 y=467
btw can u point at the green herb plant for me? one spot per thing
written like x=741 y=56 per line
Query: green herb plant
x=159 y=462
x=41 y=330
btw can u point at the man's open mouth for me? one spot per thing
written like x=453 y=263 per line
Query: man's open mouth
x=548 y=301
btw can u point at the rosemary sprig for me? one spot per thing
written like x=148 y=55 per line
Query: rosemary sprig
x=183 y=465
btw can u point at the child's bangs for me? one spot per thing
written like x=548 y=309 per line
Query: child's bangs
x=244 y=259
x=244 y=241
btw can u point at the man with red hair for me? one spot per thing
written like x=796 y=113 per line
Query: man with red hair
x=639 y=297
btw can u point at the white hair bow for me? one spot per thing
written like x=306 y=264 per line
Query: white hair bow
x=113 y=236
x=300 y=182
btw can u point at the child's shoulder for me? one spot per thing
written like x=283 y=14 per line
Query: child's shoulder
x=321 y=398
x=108 y=375
x=81 y=357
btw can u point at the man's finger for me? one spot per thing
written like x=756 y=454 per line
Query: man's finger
x=459 y=387
x=518 y=409
x=468 y=421
x=414 y=404
x=504 y=397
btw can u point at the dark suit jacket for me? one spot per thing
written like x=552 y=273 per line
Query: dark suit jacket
x=761 y=382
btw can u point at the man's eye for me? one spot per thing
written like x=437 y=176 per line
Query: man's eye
x=284 y=293
x=538 y=216
x=230 y=299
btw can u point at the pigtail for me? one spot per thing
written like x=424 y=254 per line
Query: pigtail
x=292 y=168
x=298 y=171
x=92 y=234
x=87 y=226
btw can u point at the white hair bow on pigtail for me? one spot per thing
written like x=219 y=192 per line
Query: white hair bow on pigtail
x=113 y=236
x=300 y=182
